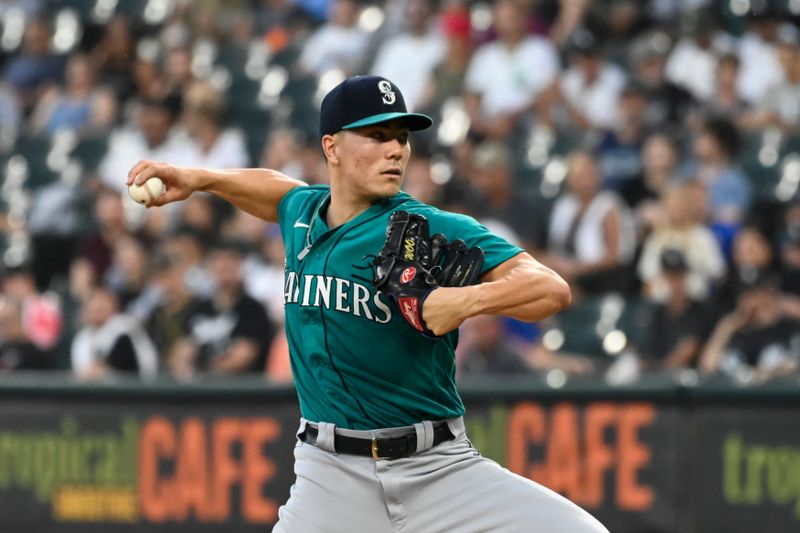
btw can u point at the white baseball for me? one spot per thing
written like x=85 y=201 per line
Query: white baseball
x=148 y=191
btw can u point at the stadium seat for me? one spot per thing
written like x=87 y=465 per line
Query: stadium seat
x=132 y=8
x=791 y=145
x=578 y=324
x=35 y=150
x=90 y=151
x=246 y=113
x=243 y=90
x=305 y=113
x=762 y=177
x=568 y=142
x=83 y=8
x=635 y=319
x=256 y=128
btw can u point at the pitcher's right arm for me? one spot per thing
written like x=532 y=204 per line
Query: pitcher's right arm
x=257 y=191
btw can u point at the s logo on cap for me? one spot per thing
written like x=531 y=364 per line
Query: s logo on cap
x=355 y=103
x=388 y=94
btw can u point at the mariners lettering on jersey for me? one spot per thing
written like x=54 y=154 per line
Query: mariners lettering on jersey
x=344 y=295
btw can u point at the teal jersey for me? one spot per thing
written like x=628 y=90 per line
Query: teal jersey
x=357 y=363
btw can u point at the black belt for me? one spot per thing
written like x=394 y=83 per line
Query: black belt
x=380 y=448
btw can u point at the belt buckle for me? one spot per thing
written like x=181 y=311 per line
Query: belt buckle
x=374 y=448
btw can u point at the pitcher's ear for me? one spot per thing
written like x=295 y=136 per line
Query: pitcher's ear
x=330 y=147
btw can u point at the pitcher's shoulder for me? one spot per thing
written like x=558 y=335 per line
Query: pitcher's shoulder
x=299 y=198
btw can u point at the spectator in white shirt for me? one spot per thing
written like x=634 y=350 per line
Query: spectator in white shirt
x=760 y=69
x=591 y=234
x=338 y=44
x=781 y=105
x=681 y=231
x=110 y=341
x=667 y=102
x=409 y=58
x=505 y=76
x=592 y=86
x=216 y=146
x=692 y=62
x=152 y=137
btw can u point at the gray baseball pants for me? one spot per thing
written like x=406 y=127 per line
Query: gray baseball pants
x=449 y=488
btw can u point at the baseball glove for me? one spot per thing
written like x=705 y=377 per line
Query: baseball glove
x=411 y=264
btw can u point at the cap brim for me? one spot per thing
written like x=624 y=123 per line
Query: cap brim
x=414 y=121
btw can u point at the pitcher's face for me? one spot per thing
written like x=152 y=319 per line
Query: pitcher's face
x=373 y=159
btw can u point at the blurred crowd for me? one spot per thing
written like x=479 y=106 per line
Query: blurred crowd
x=648 y=151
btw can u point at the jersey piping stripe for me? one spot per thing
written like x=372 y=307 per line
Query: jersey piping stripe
x=324 y=323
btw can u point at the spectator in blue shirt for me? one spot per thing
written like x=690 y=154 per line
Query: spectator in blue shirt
x=729 y=191
x=35 y=66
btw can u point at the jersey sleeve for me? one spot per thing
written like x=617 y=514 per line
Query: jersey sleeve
x=295 y=204
x=454 y=226
x=288 y=207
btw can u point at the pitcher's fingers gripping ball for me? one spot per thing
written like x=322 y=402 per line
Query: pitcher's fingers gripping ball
x=177 y=183
x=146 y=192
x=411 y=265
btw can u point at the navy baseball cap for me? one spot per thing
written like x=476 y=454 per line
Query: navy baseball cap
x=363 y=101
